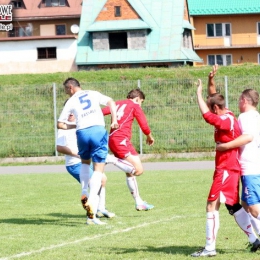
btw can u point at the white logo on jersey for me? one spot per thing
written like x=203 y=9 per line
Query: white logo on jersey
x=123 y=142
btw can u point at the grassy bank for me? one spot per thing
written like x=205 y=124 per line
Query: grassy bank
x=130 y=74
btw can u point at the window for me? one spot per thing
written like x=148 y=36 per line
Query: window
x=21 y=31
x=187 y=40
x=258 y=28
x=225 y=59
x=218 y=29
x=117 y=40
x=17 y=4
x=60 y=29
x=117 y=11
x=46 y=53
x=50 y=3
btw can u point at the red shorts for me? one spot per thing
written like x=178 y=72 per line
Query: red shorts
x=225 y=186
x=121 y=147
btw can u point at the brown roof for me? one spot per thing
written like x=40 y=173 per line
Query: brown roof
x=33 y=10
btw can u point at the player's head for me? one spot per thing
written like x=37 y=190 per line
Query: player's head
x=137 y=95
x=216 y=102
x=69 y=85
x=248 y=97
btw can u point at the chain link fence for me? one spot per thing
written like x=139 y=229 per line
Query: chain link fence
x=29 y=114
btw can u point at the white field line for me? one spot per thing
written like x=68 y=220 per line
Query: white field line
x=85 y=239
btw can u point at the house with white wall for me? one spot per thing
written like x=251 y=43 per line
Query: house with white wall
x=42 y=39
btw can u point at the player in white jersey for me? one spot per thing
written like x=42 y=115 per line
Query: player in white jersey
x=92 y=139
x=66 y=144
x=249 y=157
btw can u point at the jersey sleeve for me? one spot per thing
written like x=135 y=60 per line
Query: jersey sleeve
x=223 y=122
x=61 y=138
x=106 y=111
x=65 y=112
x=141 y=119
x=103 y=99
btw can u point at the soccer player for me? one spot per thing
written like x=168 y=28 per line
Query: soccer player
x=249 y=145
x=92 y=139
x=66 y=143
x=225 y=186
x=120 y=140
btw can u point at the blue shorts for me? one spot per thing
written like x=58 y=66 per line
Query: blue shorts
x=74 y=170
x=93 y=143
x=251 y=189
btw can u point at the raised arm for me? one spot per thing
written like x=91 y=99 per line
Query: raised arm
x=211 y=81
x=202 y=104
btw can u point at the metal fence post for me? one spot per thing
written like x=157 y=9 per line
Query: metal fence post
x=226 y=91
x=55 y=114
x=140 y=130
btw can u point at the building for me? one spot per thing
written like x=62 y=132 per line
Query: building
x=134 y=33
x=227 y=32
x=41 y=40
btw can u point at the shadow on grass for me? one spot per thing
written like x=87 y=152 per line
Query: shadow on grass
x=62 y=219
x=174 y=250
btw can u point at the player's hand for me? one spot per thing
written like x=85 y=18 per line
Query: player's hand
x=114 y=125
x=214 y=71
x=149 y=140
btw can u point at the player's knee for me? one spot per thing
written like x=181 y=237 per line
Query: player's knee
x=233 y=209
x=103 y=180
x=138 y=172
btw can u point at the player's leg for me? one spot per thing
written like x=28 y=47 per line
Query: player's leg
x=254 y=221
x=230 y=190
x=99 y=151
x=212 y=227
x=243 y=220
x=102 y=211
x=124 y=150
x=92 y=144
x=132 y=184
x=121 y=164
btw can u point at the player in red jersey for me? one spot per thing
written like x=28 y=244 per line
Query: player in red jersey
x=120 y=140
x=226 y=178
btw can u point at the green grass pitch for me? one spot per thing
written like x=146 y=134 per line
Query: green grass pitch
x=41 y=218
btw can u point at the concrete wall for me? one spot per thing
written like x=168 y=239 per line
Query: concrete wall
x=20 y=57
x=136 y=40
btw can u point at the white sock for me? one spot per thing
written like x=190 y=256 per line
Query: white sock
x=243 y=220
x=84 y=178
x=212 y=226
x=255 y=223
x=133 y=188
x=102 y=199
x=94 y=187
x=124 y=165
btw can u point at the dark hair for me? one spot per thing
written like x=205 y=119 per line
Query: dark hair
x=251 y=95
x=135 y=93
x=71 y=81
x=216 y=99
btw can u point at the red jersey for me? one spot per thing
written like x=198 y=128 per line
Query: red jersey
x=127 y=111
x=226 y=129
